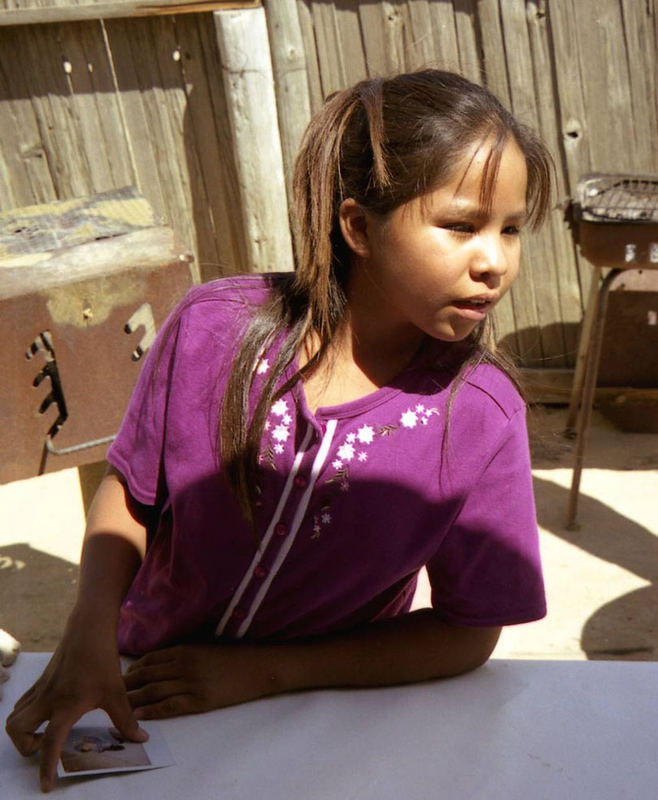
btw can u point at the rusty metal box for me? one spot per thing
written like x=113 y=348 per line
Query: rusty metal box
x=74 y=327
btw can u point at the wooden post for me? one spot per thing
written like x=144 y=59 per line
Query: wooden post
x=249 y=86
x=290 y=79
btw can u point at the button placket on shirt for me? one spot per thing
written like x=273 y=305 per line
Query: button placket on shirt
x=261 y=571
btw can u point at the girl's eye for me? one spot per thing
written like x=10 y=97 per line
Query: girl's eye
x=459 y=227
x=512 y=230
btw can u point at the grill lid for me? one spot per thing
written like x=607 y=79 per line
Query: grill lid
x=617 y=198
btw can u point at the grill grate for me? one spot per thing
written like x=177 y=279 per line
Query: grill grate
x=617 y=198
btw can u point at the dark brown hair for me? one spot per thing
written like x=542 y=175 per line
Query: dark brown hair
x=383 y=142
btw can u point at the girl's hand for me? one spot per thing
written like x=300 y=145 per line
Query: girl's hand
x=84 y=673
x=188 y=679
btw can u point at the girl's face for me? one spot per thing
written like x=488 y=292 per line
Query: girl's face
x=438 y=264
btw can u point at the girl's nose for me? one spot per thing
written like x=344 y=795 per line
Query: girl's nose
x=489 y=258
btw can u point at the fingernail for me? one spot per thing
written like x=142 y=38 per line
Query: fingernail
x=45 y=785
x=142 y=735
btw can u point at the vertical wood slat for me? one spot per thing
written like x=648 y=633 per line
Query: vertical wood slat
x=291 y=85
x=307 y=29
x=331 y=60
x=640 y=42
x=24 y=175
x=559 y=257
x=153 y=94
x=444 y=34
x=248 y=81
x=467 y=39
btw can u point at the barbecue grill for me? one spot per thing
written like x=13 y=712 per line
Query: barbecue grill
x=614 y=222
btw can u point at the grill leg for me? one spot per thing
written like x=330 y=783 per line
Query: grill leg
x=589 y=387
x=584 y=347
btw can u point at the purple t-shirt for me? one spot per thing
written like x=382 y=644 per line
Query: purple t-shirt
x=354 y=500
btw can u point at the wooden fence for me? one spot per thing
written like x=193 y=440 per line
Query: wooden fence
x=182 y=100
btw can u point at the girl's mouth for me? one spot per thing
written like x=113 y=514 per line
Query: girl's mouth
x=474 y=309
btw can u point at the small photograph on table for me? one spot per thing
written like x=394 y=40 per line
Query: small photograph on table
x=95 y=750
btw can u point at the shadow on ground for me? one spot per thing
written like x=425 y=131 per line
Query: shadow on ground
x=37 y=592
x=625 y=628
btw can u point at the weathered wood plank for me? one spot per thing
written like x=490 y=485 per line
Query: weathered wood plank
x=154 y=103
x=604 y=72
x=420 y=48
x=468 y=43
x=350 y=34
x=559 y=256
x=131 y=92
x=213 y=202
x=290 y=80
x=54 y=109
x=35 y=13
x=331 y=60
x=248 y=80
x=640 y=45
x=380 y=23
x=93 y=101
x=305 y=14
x=444 y=34
x=24 y=173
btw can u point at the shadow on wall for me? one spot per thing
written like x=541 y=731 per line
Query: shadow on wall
x=626 y=627
x=37 y=593
x=551 y=346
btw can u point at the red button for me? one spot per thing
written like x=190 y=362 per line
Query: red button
x=280 y=529
x=301 y=482
x=260 y=571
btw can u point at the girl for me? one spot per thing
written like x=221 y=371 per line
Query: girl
x=300 y=445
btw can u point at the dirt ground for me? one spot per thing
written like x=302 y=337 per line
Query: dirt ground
x=601 y=580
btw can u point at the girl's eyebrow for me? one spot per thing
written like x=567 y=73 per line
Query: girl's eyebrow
x=472 y=211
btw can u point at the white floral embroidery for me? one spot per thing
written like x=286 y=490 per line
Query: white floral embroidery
x=278 y=449
x=286 y=419
x=263 y=366
x=409 y=419
x=280 y=407
x=281 y=433
x=346 y=451
x=366 y=434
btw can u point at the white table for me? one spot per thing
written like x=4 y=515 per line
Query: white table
x=512 y=730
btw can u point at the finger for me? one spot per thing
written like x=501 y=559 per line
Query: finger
x=154 y=657
x=21 y=726
x=24 y=699
x=51 y=747
x=149 y=674
x=171 y=707
x=121 y=714
x=156 y=692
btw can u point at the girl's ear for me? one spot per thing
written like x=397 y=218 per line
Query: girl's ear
x=354 y=225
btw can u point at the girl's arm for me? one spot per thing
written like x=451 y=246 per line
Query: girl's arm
x=410 y=648
x=84 y=672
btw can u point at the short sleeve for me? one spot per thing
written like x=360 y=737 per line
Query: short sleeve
x=137 y=451
x=487 y=570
